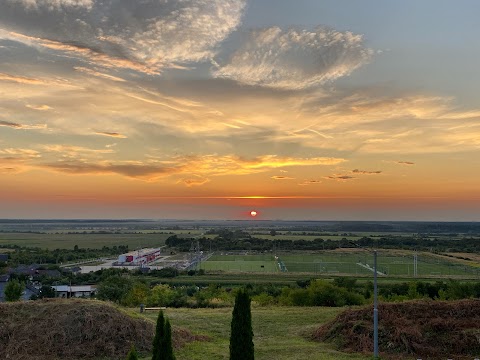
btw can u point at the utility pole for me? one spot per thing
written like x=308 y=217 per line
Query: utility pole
x=375 y=307
x=415 y=264
x=375 y=300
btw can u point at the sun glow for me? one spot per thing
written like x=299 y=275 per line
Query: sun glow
x=253 y=213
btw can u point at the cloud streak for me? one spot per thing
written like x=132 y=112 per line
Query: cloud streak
x=364 y=172
x=338 y=177
x=111 y=134
x=18 y=126
x=79 y=160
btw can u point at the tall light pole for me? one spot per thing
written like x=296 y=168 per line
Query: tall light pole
x=375 y=307
x=375 y=300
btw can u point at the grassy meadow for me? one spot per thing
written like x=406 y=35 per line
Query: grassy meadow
x=280 y=333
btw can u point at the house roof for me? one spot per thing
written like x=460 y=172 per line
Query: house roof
x=25 y=269
x=49 y=273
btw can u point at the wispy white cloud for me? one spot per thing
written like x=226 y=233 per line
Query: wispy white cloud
x=98 y=74
x=142 y=35
x=53 y=4
x=27 y=153
x=21 y=79
x=294 y=59
x=194 y=181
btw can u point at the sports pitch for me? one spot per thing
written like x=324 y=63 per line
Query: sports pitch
x=348 y=263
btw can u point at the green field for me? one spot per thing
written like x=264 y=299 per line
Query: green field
x=280 y=333
x=348 y=263
x=241 y=263
x=94 y=241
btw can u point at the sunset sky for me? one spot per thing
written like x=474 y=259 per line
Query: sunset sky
x=207 y=109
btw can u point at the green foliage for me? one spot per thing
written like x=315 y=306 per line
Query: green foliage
x=160 y=295
x=114 y=288
x=159 y=335
x=13 y=290
x=132 y=354
x=31 y=255
x=167 y=342
x=241 y=336
x=167 y=272
x=162 y=342
x=320 y=293
x=264 y=299
x=137 y=295
x=44 y=292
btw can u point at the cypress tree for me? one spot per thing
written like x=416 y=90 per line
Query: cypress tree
x=167 y=343
x=132 y=354
x=241 y=336
x=157 y=352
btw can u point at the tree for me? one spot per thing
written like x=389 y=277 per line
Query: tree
x=162 y=342
x=241 y=336
x=273 y=232
x=13 y=290
x=167 y=343
x=44 y=292
x=132 y=354
x=114 y=288
x=159 y=335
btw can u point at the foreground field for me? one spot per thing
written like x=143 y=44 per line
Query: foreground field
x=280 y=333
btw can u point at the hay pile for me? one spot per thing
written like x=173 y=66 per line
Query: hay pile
x=74 y=329
x=427 y=329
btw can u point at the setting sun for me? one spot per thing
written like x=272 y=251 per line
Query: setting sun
x=253 y=213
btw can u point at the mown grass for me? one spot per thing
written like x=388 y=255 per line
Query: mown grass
x=390 y=262
x=280 y=333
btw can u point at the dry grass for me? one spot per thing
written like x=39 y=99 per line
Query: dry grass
x=75 y=329
x=429 y=329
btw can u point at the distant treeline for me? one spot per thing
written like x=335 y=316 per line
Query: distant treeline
x=228 y=240
x=35 y=255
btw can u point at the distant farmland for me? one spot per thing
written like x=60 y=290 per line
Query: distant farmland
x=93 y=241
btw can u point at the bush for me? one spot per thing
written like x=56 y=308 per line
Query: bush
x=13 y=290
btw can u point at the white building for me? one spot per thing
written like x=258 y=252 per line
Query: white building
x=67 y=291
x=139 y=257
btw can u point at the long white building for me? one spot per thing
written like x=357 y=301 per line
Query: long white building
x=139 y=257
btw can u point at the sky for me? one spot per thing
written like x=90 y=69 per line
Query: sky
x=209 y=109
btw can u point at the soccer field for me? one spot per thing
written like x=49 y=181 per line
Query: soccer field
x=241 y=263
x=348 y=263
